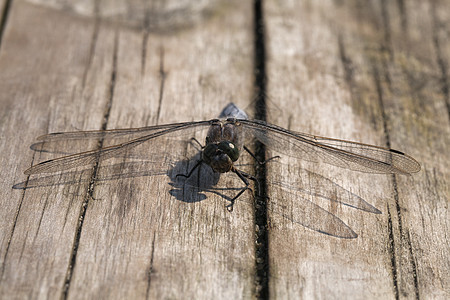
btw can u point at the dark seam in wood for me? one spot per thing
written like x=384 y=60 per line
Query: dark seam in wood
x=414 y=267
x=23 y=247
x=144 y=52
x=442 y=64
x=112 y=85
x=40 y=219
x=262 y=271
x=403 y=15
x=73 y=99
x=16 y=216
x=73 y=254
x=403 y=236
x=68 y=209
x=150 y=268
x=348 y=72
x=394 y=178
x=91 y=50
x=394 y=182
x=146 y=27
x=11 y=234
x=4 y=19
x=387 y=45
x=162 y=76
x=354 y=90
x=93 y=41
x=397 y=205
x=346 y=63
x=70 y=206
x=28 y=177
x=391 y=250
x=90 y=190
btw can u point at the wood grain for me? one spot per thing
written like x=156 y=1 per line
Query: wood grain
x=39 y=227
x=3 y=8
x=125 y=238
x=127 y=228
x=362 y=73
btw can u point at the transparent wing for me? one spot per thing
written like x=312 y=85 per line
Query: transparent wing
x=341 y=153
x=322 y=187
x=314 y=217
x=89 y=157
x=69 y=142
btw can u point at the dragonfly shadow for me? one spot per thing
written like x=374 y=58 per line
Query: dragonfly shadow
x=314 y=184
x=203 y=180
x=299 y=204
x=189 y=190
x=161 y=147
x=107 y=173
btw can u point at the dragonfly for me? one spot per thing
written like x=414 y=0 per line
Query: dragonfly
x=225 y=140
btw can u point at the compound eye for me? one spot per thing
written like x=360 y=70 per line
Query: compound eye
x=229 y=149
x=209 y=152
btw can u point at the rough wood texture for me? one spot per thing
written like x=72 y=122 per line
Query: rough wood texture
x=132 y=238
x=3 y=16
x=375 y=73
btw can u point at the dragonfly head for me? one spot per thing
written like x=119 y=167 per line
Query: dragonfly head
x=220 y=156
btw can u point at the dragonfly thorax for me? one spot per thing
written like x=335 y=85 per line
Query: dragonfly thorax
x=220 y=156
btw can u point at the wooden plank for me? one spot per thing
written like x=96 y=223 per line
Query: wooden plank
x=415 y=92
x=127 y=237
x=361 y=73
x=37 y=96
x=171 y=248
x=3 y=8
x=348 y=71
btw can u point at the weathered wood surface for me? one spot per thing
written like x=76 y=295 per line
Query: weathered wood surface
x=375 y=73
x=2 y=6
x=3 y=18
x=62 y=71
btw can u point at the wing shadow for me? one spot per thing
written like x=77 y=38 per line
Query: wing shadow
x=204 y=180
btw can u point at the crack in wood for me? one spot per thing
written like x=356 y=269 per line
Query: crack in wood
x=90 y=190
x=4 y=19
x=150 y=268
x=385 y=119
x=16 y=216
x=387 y=44
x=162 y=76
x=379 y=91
x=261 y=235
x=403 y=15
x=91 y=51
x=146 y=32
x=412 y=261
x=391 y=250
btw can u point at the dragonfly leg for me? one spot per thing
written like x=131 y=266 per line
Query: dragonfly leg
x=243 y=176
x=198 y=143
x=260 y=162
x=191 y=171
x=251 y=177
